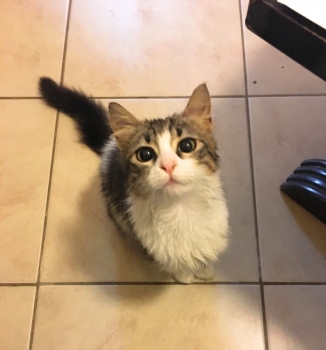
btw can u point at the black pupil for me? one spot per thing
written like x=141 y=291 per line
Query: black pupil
x=186 y=146
x=145 y=154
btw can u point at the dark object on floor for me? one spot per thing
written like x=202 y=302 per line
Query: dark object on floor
x=288 y=31
x=307 y=187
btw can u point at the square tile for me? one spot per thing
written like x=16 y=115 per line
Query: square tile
x=155 y=49
x=296 y=317
x=148 y=317
x=16 y=310
x=286 y=131
x=31 y=40
x=26 y=140
x=272 y=72
x=83 y=245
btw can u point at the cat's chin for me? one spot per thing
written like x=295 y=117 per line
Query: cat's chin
x=176 y=188
x=172 y=183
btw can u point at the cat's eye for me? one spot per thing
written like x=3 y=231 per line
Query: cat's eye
x=187 y=145
x=145 y=154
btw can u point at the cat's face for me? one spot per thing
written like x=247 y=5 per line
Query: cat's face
x=171 y=156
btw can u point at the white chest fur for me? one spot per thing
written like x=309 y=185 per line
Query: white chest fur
x=182 y=232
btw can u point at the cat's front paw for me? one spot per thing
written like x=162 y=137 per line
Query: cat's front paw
x=206 y=273
x=184 y=277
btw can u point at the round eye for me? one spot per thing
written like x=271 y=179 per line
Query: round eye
x=187 y=145
x=145 y=154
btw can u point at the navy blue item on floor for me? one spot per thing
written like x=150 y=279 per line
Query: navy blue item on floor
x=307 y=187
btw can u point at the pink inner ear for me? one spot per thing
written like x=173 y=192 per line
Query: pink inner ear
x=201 y=112
x=195 y=111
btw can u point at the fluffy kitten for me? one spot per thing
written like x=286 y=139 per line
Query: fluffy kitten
x=160 y=177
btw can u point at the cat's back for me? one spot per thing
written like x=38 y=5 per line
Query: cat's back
x=114 y=185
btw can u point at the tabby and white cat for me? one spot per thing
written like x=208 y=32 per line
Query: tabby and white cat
x=160 y=177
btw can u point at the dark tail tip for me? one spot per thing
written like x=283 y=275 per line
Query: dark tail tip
x=90 y=116
x=47 y=86
x=50 y=91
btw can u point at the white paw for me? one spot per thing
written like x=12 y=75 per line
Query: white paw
x=206 y=273
x=184 y=277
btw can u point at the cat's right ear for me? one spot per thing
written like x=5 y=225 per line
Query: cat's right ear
x=122 y=122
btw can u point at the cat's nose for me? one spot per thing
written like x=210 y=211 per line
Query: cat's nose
x=168 y=166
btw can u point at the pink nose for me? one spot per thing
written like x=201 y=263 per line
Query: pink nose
x=168 y=166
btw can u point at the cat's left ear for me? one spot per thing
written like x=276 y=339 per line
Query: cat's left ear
x=199 y=105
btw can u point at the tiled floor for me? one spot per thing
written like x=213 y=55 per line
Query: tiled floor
x=67 y=279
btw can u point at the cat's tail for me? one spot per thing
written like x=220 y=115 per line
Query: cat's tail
x=90 y=117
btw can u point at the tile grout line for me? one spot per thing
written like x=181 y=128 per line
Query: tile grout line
x=144 y=97
x=171 y=97
x=19 y=98
x=31 y=337
x=286 y=95
x=216 y=283
x=294 y=284
x=135 y=283
x=261 y=285
x=17 y=284
x=127 y=283
x=37 y=284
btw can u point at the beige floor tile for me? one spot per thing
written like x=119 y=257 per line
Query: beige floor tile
x=149 y=317
x=271 y=72
x=240 y=261
x=155 y=49
x=26 y=139
x=16 y=309
x=31 y=41
x=285 y=131
x=296 y=317
x=83 y=245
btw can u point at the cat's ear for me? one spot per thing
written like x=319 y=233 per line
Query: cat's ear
x=199 y=105
x=122 y=122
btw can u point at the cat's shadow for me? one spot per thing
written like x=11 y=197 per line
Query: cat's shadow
x=100 y=254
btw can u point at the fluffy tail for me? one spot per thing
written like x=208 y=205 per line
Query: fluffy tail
x=90 y=117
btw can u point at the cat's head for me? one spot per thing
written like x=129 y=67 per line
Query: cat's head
x=169 y=156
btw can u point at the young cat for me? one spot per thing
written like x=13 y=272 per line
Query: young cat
x=160 y=177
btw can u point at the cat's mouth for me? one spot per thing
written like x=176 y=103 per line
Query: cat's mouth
x=172 y=183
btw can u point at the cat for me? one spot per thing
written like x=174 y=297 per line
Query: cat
x=160 y=177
